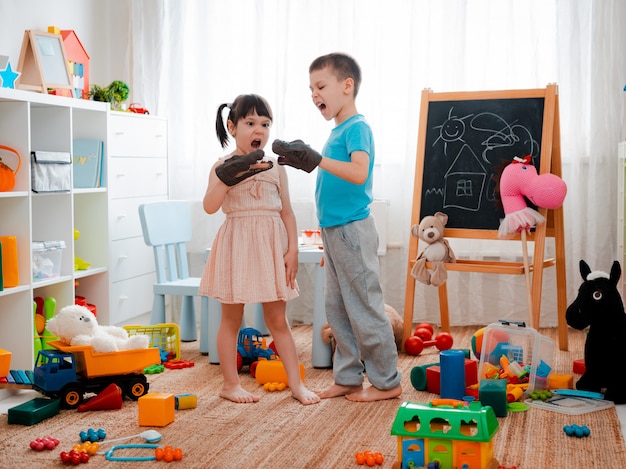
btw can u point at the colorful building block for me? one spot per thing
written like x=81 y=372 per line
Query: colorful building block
x=5 y=362
x=156 y=409
x=418 y=376
x=492 y=393
x=432 y=375
x=186 y=401
x=10 y=271
x=560 y=381
x=579 y=366
x=433 y=379
x=33 y=411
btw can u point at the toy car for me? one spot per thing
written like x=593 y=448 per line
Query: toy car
x=251 y=347
x=138 y=108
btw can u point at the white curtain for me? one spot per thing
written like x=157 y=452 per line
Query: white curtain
x=189 y=56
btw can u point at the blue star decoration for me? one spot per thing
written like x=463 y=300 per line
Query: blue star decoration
x=8 y=77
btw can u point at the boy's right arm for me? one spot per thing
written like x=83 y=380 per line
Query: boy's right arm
x=301 y=156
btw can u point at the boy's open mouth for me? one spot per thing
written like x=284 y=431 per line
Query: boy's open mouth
x=256 y=144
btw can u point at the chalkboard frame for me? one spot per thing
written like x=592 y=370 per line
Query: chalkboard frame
x=549 y=158
x=43 y=63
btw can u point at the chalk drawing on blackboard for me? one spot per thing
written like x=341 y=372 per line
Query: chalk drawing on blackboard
x=464 y=183
x=452 y=130
x=467 y=145
x=504 y=135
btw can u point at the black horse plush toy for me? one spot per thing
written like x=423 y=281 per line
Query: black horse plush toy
x=599 y=306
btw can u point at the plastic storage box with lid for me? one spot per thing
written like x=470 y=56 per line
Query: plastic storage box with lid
x=528 y=354
x=47 y=256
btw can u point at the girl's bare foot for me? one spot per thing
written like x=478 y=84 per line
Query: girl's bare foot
x=305 y=396
x=238 y=394
x=371 y=394
x=336 y=390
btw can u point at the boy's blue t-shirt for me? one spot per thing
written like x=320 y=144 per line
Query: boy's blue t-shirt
x=338 y=201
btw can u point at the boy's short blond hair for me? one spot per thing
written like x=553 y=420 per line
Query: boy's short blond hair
x=343 y=66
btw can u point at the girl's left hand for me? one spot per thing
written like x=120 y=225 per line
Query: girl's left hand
x=291 y=268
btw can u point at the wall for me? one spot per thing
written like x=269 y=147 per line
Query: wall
x=102 y=30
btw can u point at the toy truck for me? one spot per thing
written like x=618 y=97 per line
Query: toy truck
x=251 y=348
x=69 y=372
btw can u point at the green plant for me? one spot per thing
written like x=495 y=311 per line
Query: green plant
x=100 y=94
x=116 y=93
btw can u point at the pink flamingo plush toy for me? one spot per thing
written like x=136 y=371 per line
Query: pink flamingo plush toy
x=520 y=181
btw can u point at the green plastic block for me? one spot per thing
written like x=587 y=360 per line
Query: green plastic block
x=34 y=411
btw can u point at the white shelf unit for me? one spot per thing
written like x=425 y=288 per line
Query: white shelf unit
x=137 y=174
x=32 y=121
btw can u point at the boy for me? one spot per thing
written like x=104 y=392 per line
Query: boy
x=354 y=300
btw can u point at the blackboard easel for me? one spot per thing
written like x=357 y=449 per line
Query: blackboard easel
x=464 y=140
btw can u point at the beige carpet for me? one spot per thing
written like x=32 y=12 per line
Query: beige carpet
x=280 y=433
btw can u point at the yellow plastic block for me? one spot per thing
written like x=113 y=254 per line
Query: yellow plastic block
x=9 y=261
x=186 y=401
x=560 y=381
x=156 y=409
x=5 y=363
x=54 y=30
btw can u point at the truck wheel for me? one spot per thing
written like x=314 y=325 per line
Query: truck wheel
x=136 y=387
x=71 y=397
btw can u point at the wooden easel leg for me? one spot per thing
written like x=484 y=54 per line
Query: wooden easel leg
x=409 y=304
x=561 y=287
x=443 y=307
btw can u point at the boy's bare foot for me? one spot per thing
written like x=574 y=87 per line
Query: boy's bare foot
x=337 y=390
x=371 y=394
x=305 y=396
x=238 y=394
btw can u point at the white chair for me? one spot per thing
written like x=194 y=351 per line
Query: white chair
x=166 y=226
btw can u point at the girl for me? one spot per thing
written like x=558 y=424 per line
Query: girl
x=254 y=258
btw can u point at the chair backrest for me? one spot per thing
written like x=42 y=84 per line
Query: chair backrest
x=166 y=226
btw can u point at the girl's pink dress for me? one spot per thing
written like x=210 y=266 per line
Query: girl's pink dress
x=246 y=263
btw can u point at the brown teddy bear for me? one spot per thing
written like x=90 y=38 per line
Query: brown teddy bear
x=438 y=251
x=397 y=325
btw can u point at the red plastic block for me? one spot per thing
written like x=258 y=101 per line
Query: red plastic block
x=433 y=379
x=471 y=372
x=579 y=366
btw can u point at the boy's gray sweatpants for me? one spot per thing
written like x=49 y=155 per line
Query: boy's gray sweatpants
x=355 y=307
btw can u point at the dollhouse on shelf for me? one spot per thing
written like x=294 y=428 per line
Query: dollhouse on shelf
x=78 y=62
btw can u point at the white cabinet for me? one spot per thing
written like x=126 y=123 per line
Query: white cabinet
x=32 y=121
x=137 y=174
